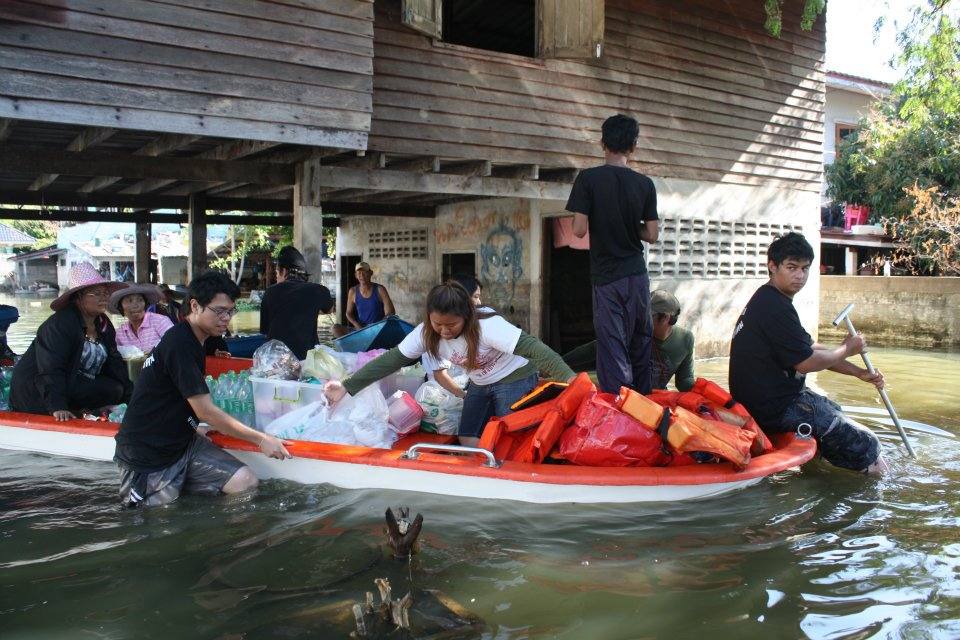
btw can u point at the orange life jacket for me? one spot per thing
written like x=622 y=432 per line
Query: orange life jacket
x=720 y=397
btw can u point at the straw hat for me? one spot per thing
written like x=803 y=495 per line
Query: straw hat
x=150 y=293
x=82 y=276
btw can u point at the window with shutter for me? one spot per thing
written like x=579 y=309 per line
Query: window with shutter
x=570 y=28
x=426 y=16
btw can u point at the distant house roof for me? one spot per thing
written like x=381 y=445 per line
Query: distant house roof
x=858 y=84
x=14 y=237
x=45 y=252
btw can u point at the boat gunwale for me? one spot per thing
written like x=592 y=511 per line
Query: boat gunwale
x=790 y=451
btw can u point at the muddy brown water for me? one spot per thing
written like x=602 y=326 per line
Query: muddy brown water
x=815 y=553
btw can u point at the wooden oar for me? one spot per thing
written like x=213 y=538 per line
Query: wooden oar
x=844 y=316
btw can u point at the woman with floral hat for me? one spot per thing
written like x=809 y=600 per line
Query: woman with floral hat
x=73 y=363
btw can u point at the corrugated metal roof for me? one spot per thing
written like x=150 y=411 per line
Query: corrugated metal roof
x=11 y=236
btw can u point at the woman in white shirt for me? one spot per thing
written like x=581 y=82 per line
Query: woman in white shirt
x=501 y=360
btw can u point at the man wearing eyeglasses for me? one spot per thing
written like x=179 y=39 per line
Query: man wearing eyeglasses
x=159 y=451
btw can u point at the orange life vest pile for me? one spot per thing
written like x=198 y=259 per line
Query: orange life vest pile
x=583 y=426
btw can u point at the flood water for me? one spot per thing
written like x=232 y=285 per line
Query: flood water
x=816 y=553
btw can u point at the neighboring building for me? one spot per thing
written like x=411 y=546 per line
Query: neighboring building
x=11 y=238
x=41 y=265
x=848 y=99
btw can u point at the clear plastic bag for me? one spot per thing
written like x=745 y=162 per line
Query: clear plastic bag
x=357 y=420
x=441 y=409
x=275 y=360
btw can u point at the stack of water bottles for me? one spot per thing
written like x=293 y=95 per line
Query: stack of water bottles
x=6 y=375
x=233 y=392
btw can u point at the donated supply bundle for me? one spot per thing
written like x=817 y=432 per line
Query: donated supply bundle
x=355 y=420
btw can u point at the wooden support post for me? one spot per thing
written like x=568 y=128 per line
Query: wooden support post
x=197 y=220
x=141 y=268
x=308 y=216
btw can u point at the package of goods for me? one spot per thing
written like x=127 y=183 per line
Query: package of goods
x=359 y=420
x=275 y=398
x=441 y=409
x=405 y=413
x=406 y=379
x=604 y=436
x=366 y=356
x=322 y=363
x=275 y=360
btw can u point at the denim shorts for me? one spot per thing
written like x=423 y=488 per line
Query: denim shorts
x=483 y=401
x=203 y=469
x=842 y=442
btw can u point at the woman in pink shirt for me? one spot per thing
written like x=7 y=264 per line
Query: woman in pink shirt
x=143 y=328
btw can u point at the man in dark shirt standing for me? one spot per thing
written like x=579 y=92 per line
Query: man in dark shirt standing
x=159 y=451
x=289 y=309
x=771 y=354
x=619 y=208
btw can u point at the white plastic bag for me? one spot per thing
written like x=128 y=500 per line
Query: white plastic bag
x=441 y=409
x=359 y=420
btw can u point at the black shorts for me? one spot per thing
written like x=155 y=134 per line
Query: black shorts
x=203 y=469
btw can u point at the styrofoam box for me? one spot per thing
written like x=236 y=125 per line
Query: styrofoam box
x=274 y=398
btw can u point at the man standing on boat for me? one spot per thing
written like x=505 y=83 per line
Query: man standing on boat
x=771 y=354
x=159 y=451
x=619 y=208
x=289 y=309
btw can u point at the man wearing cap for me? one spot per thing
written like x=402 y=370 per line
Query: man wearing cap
x=289 y=309
x=672 y=345
x=671 y=353
x=368 y=302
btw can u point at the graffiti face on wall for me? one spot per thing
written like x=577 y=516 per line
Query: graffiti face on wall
x=501 y=265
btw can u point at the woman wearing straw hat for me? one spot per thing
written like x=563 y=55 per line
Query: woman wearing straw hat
x=73 y=362
x=143 y=329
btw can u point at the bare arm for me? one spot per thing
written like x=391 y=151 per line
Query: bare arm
x=444 y=380
x=651 y=231
x=351 y=311
x=226 y=424
x=388 y=308
x=581 y=224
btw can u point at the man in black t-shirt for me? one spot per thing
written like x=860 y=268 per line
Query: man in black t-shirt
x=771 y=353
x=159 y=451
x=289 y=309
x=618 y=206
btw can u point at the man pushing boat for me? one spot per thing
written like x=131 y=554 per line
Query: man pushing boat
x=159 y=451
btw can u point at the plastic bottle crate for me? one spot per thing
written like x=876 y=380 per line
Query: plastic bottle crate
x=274 y=398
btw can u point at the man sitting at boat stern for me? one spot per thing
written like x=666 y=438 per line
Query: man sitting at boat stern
x=159 y=451
x=771 y=354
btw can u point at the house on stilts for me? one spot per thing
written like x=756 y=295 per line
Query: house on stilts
x=437 y=136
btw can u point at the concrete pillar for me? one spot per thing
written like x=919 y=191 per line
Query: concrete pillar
x=308 y=217
x=850 y=265
x=197 y=220
x=141 y=261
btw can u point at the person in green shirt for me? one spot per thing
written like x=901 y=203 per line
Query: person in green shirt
x=672 y=345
